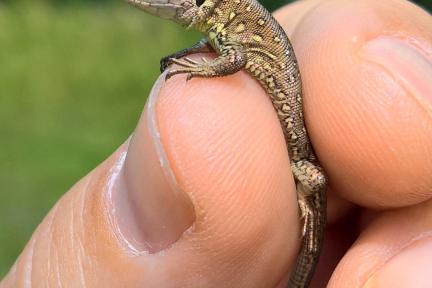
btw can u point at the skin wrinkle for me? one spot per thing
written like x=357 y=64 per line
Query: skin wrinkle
x=49 y=235
x=232 y=185
x=391 y=148
x=80 y=251
x=80 y=256
x=82 y=197
x=63 y=240
x=90 y=267
x=55 y=259
x=81 y=226
x=403 y=83
x=89 y=234
x=48 y=231
x=73 y=236
x=27 y=265
x=223 y=157
x=57 y=269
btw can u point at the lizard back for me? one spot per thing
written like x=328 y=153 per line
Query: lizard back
x=270 y=59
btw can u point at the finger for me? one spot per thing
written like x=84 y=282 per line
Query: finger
x=367 y=68
x=393 y=251
x=227 y=151
x=290 y=17
x=201 y=196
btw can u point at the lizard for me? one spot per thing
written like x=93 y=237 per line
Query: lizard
x=246 y=36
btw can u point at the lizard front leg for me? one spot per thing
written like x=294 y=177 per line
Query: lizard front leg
x=202 y=46
x=311 y=190
x=230 y=61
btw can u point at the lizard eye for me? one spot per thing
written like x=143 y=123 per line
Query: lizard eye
x=199 y=2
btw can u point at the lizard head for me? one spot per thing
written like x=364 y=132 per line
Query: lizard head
x=187 y=13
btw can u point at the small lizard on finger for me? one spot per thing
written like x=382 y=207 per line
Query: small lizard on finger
x=246 y=36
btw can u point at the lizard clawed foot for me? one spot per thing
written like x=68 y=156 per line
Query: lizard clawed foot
x=190 y=67
x=304 y=215
x=184 y=62
x=168 y=61
x=190 y=71
x=308 y=234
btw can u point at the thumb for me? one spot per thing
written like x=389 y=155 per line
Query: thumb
x=201 y=196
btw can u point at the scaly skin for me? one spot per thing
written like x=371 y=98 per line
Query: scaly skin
x=246 y=36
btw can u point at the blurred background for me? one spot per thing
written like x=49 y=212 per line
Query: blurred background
x=74 y=75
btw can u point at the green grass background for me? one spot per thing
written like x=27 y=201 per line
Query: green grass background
x=73 y=82
x=74 y=76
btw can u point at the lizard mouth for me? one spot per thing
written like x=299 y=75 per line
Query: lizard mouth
x=160 y=8
x=156 y=4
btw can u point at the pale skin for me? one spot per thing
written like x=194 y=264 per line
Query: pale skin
x=370 y=119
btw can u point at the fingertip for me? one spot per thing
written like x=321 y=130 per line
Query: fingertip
x=226 y=148
x=366 y=122
x=391 y=251
x=291 y=15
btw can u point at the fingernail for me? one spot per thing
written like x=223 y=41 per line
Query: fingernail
x=409 y=268
x=409 y=62
x=152 y=212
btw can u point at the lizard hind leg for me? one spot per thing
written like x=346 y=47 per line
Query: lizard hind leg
x=311 y=188
x=228 y=63
x=201 y=46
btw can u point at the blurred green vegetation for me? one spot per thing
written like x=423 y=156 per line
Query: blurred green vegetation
x=73 y=81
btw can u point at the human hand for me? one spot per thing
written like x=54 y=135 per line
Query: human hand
x=221 y=210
